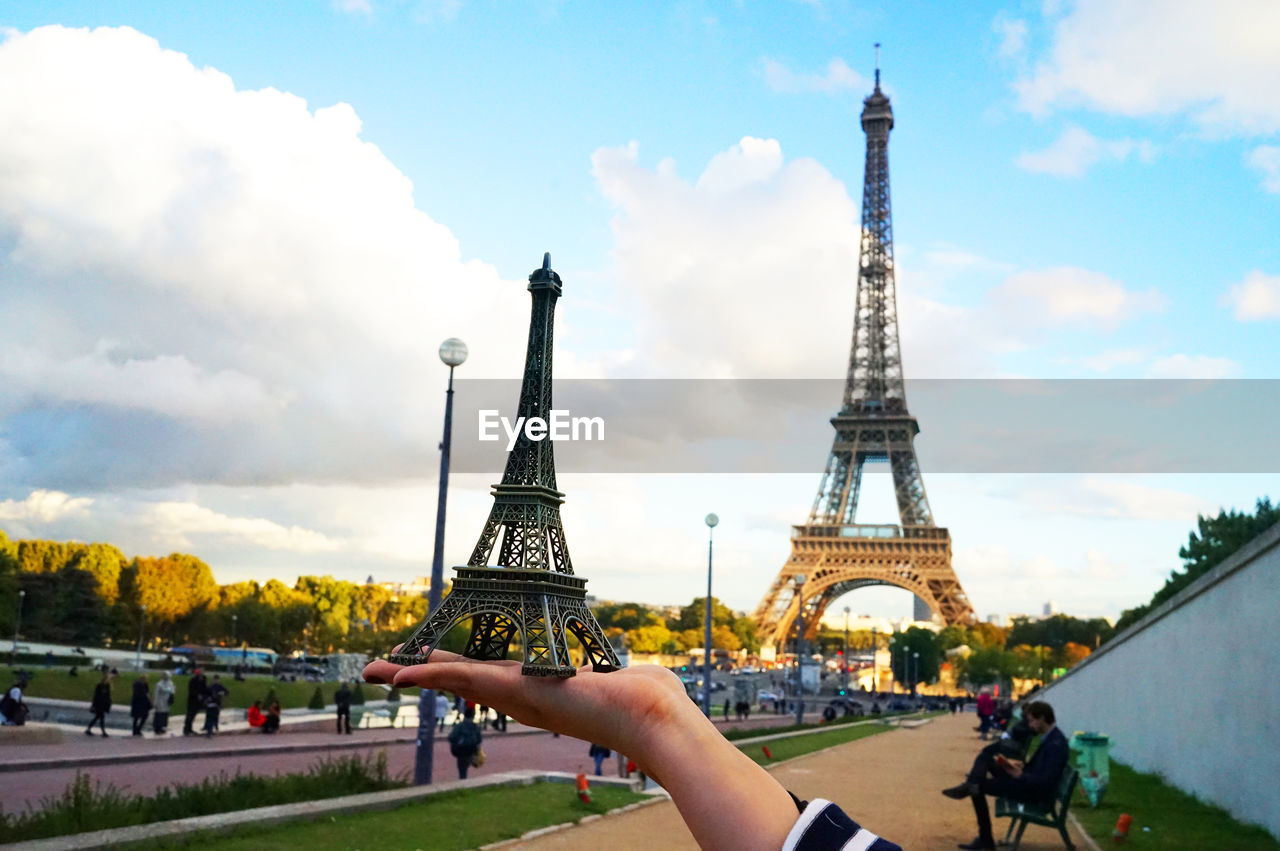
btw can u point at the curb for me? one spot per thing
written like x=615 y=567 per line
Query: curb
x=556 y=828
x=887 y=723
x=161 y=756
x=1085 y=839
x=282 y=813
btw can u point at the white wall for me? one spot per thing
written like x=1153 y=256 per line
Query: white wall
x=1193 y=691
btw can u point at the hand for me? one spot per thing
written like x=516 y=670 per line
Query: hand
x=727 y=800
x=1013 y=767
x=621 y=710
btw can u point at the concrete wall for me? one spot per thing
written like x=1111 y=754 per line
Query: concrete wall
x=1192 y=691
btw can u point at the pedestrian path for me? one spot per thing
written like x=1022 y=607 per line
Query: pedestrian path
x=890 y=783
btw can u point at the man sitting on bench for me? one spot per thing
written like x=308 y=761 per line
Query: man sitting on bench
x=1030 y=781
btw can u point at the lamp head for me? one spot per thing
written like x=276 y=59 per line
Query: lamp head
x=712 y=520
x=453 y=352
x=799 y=579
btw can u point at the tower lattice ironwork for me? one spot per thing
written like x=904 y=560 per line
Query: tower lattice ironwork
x=532 y=592
x=836 y=554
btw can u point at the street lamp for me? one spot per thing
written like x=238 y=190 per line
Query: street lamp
x=915 y=672
x=17 y=624
x=234 y=618
x=893 y=654
x=711 y=521
x=846 y=649
x=453 y=352
x=142 y=628
x=875 y=665
x=799 y=580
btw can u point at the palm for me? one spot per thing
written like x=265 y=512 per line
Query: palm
x=615 y=709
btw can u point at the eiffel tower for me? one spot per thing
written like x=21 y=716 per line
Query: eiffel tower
x=835 y=554
x=533 y=590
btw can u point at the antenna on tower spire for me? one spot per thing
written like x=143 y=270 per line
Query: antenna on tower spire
x=877 y=64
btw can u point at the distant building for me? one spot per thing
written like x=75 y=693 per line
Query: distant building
x=1050 y=609
x=419 y=587
x=995 y=619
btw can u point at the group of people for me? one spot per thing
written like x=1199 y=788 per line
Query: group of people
x=144 y=702
x=265 y=720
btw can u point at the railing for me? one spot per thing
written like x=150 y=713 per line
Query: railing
x=870 y=530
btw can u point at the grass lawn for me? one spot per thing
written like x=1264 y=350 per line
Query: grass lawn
x=798 y=745
x=55 y=683
x=462 y=819
x=1176 y=819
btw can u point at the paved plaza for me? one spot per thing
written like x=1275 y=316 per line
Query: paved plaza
x=890 y=783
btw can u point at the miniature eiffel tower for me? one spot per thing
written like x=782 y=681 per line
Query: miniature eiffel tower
x=836 y=554
x=532 y=590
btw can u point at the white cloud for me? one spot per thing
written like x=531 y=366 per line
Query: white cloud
x=1117 y=498
x=1013 y=36
x=1072 y=295
x=1192 y=366
x=205 y=274
x=353 y=7
x=177 y=521
x=1256 y=297
x=1266 y=159
x=1219 y=64
x=44 y=506
x=838 y=77
x=1077 y=150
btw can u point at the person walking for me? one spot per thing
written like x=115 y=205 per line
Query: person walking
x=986 y=709
x=443 y=705
x=100 y=705
x=500 y=721
x=163 y=703
x=599 y=753
x=213 y=705
x=464 y=743
x=343 y=699
x=197 y=694
x=140 y=703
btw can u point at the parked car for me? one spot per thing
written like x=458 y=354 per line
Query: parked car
x=847 y=707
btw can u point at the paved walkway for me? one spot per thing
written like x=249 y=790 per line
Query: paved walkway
x=889 y=782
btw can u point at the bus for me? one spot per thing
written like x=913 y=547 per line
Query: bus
x=248 y=659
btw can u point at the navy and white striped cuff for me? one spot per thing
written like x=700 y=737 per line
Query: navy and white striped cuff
x=824 y=827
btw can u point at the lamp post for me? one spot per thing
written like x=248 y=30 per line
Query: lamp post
x=915 y=671
x=799 y=580
x=234 y=618
x=893 y=650
x=453 y=352
x=711 y=521
x=142 y=628
x=875 y=666
x=17 y=624
x=846 y=649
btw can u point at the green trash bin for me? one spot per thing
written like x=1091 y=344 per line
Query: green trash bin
x=1094 y=764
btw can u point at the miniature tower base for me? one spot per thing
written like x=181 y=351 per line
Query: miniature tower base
x=543 y=606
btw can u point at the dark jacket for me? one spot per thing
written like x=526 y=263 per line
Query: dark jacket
x=213 y=695
x=343 y=697
x=140 y=704
x=465 y=738
x=1041 y=774
x=101 y=698
x=196 y=690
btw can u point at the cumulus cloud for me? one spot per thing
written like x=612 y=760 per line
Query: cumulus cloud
x=44 y=506
x=215 y=284
x=1072 y=295
x=1193 y=366
x=1256 y=297
x=1013 y=36
x=1128 y=57
x=838 y=77
x=179 y=521
x=1077 y=150
x=1266 y=160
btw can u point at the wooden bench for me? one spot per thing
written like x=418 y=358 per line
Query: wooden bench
x=1051 y=814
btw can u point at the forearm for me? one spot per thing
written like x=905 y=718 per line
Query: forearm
x=726 y=799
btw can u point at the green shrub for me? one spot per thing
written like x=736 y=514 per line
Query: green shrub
x=317 y=699
x=85 y=806
x=357 y=695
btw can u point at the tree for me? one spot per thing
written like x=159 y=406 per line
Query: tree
x=1217 y=539
x=649 y=639
x=906 y=646
x=172 y=588
x=104 y=562
x=625 y=616
x=693 y=616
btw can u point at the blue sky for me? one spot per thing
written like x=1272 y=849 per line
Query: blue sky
x=232 y=301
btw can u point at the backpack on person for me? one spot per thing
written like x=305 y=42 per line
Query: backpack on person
x=464 y=739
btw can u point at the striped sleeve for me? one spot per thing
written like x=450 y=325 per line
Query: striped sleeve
x=823 y=826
